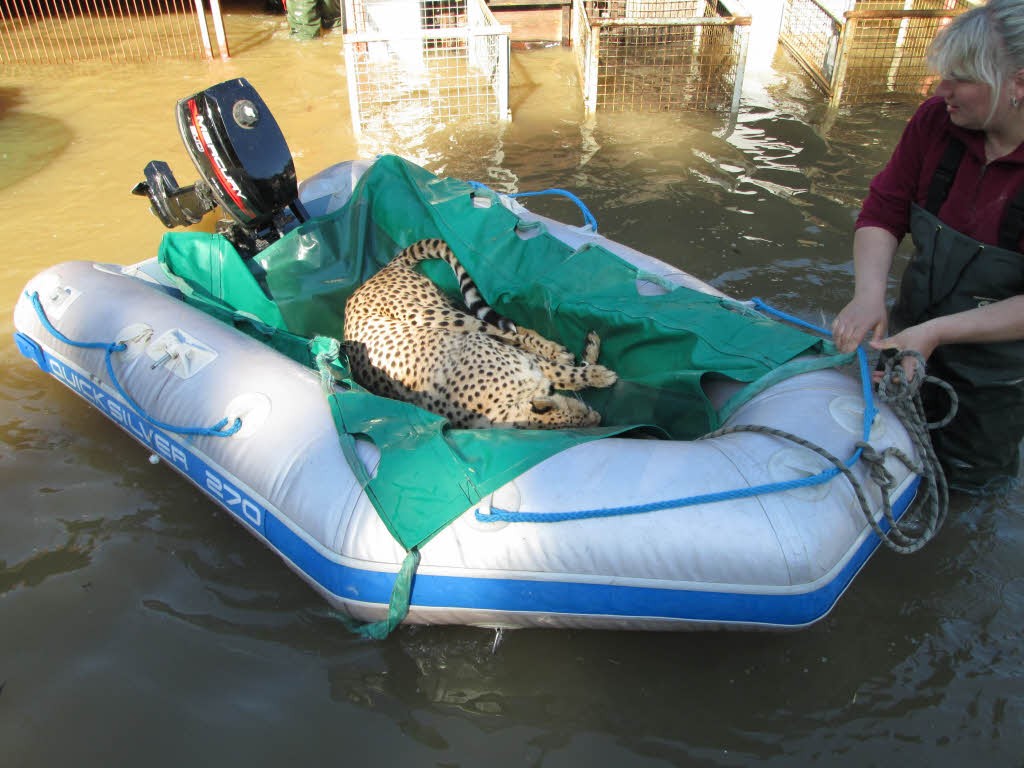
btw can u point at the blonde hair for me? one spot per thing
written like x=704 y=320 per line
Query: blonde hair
x=984 y=44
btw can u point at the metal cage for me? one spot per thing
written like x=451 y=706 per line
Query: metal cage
x=440 y=60
x=660 y=55
x=67 y=31
x=865 y=50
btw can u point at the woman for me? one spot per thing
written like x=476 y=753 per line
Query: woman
x=956 y=183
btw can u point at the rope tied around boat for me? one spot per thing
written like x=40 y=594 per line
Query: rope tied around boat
x=904 y=536
x=220 y=429
x=918 y=525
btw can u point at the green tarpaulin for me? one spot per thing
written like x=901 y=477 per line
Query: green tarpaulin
x=661 y=346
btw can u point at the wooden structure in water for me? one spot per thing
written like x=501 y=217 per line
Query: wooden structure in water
x=534 y=21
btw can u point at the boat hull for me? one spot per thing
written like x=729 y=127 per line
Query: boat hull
x=773 y=561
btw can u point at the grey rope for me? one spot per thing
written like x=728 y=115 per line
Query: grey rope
x=904 y=398
x=921 y=522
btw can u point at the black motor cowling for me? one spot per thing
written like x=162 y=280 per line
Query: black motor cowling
x=244 y=163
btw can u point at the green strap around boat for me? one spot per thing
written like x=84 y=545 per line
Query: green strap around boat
x=783 y=372
x=398 y=606
x=326 y=352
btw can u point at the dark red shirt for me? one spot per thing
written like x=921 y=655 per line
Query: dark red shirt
x=979 y=194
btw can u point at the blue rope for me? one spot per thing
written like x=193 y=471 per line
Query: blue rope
x=217 y=430
x=504 y=515
x=587 y=215
x=865 y=376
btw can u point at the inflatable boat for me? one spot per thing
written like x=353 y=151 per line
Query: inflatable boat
x=725 y=488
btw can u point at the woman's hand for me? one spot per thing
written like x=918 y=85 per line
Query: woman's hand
x=857 y=319
x=998 y=321
x=923 y=339
x=873 y=249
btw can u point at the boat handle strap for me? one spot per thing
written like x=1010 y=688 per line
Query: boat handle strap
x=220 y=429
x=587 y=215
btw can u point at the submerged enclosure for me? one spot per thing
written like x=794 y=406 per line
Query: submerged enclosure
x=660 y=55
x=409 y=60
x=861 y=50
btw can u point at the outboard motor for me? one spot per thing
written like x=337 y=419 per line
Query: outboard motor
x=244 y=164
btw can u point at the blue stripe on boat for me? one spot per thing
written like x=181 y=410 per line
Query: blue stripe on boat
x=466 y=592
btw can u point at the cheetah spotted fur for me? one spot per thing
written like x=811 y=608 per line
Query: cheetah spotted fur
x=408 y=341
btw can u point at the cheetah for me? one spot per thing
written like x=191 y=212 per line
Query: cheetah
x=407 y=340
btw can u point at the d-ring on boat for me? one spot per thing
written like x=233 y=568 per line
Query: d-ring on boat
x=727 y=487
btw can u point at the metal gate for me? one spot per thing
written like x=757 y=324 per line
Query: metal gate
x=436 y=60
x=66 y=31
x=660 y=55
x=864 y=50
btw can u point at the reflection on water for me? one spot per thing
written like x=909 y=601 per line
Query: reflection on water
x=71 y=556
x=27 y=142
x=126 y=597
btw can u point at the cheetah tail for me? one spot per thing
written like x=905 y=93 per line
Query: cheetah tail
x=425 y=250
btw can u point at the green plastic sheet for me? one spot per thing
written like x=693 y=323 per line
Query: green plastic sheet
x=661 y=346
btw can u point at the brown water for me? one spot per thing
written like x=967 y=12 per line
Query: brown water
x=140 y=626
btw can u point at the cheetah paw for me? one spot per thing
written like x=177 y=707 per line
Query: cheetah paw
x=599 y=376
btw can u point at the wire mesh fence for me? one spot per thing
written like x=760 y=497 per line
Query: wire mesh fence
x=67 y=31
x=436 y=60
x=660 y=55
x=865 y=50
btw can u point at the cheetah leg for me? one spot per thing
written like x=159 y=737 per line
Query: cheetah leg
x=552 y=411
x=576 y=377
x=591 y=348
x=529 y=340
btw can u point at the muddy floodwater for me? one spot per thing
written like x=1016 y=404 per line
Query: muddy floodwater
x=141 y=626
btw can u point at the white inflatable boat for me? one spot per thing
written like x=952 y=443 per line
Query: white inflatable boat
x=744 y=529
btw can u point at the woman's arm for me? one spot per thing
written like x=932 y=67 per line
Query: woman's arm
x=998 y=321
x=883 y=221
x=873 y=251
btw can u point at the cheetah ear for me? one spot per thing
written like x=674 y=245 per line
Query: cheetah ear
x=542 y=404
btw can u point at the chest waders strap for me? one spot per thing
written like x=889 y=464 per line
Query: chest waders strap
x=945 y=173
x=1011 y=227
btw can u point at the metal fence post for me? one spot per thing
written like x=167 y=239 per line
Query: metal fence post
x=842 y=60
x=204 y=32
x=218 y=26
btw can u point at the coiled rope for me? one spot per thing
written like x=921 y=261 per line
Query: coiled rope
x=220 y=429
x=903 y=397
x=918 y=525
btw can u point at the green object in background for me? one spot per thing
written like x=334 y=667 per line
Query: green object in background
x=306 y=17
